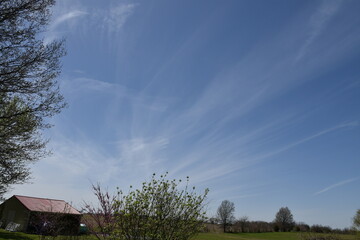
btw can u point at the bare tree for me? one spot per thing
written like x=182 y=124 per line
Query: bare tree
x=284 y=219
x=29 y=93
x=225 y=213
x=100 y=220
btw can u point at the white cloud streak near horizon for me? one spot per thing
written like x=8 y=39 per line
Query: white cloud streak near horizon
x=341 y=183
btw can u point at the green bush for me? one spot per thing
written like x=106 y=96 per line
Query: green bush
x=160 y=210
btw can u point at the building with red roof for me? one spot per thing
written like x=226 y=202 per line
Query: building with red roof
x=34 y=214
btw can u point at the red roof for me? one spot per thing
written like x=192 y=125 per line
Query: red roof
x=46 y=205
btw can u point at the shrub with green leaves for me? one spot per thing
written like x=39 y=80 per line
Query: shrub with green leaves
x=160 y=210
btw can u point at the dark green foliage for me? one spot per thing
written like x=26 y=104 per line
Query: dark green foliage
x=18 y=136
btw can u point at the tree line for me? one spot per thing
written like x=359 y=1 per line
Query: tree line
x=283 y=222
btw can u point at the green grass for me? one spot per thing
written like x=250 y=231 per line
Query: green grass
x=259 y=236
x=16 y=235
x=5 y=235
x=246 y=236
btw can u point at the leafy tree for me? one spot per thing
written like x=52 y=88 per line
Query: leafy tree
x=159 y=210
x=356 y=219
x=29 y=92
x=225 y=213
x=284 y=219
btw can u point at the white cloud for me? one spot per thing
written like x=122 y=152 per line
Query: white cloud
x=336 y=185
x=318 y=22
x=65 y=20
x=117 y=16
x=306 y=139
x=66 y=17
x=144 y=153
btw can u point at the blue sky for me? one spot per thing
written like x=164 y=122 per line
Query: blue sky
x=259 y=101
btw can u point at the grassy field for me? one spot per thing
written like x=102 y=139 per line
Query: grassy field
x=4 y=235
x=259 y=236
x=246 y=236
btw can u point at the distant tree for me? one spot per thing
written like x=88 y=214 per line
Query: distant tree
x=243 y=222
x=225 y=213
x=302 y=227
x=356 y=220
x=29 y=93
x=284 y=219
x=317 y=228
x=213 y=220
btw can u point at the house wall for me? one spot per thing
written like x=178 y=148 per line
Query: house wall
x=14 y=211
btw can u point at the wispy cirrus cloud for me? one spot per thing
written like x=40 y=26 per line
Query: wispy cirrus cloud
x=341 y=183
x=67 y=17
x=117 y=16
x=215 y=134
x=211 y=170
x=64 y=21
x=108 y=19
x=258 y=77
x=318 y=22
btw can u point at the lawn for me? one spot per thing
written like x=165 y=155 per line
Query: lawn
x=16 y=235
x=259 y=236
x=5 y=235
x=246 y=236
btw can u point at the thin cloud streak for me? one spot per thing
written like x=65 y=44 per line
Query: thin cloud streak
x=67 y=17
x=233 y=123
x=117 y=16
x=239 y=84
x=228 y=166
x=336 y=185
x=319 y=134
x=318 y=22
